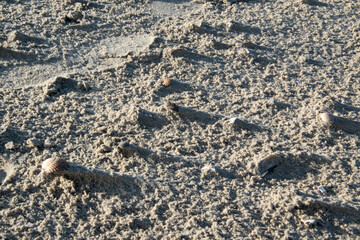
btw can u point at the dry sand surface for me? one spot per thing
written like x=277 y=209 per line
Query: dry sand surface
x=254 y=136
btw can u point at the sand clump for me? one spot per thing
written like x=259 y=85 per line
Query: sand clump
x=180 y=119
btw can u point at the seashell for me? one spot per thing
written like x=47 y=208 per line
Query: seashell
x=53 y=165
x=166 y=82
x=310 y=221
x=322 y=189
x=268 y=164
x=233 y=120
x=172 y=106
x=75 y=16
x=208 y=168
x=327 y=118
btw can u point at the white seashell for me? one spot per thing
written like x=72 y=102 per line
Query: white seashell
x=209 y=168
x=53 y=165
x=327 y=118
x=310 y=221
x=233 y=120
x=322 y=189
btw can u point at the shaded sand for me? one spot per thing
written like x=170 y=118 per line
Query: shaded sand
x=234 y=148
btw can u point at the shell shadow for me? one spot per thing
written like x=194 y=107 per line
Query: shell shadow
x=16 y=35
x=6 y=53
x=10 y=134
x=192 y=114
x=341 y=107
x=238 y=27
x=315 y=3
x=104 y=181
x=2 y=176
x=332 y=213
x=175 y=87
x=7 y=170
x=285 y=167
x=127 y=150
x=346 y=125
x=58 y=86
x=145 y=118
x=239 y=125
x=190 y=55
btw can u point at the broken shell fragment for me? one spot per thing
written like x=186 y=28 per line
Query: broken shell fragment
x=268 y=164
x=233 y=120
x=327 y=118
x=172 y=106
x=166 y=82
x=322 y=189
x=310 y=221
x=75 y=16
x=53 y=165
x=208 y=168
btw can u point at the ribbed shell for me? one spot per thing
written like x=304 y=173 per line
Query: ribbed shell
x=53 y=165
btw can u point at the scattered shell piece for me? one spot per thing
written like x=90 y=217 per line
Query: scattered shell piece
x=322 y=189
x=209 y=171
x=10 y=145
x=196 y=28
x=74 y=16
x=33 y=143
x=172 y=106
x=233 y=120
x=238 y=124
x=166 y=82
x=104 y=149
x=310 y=221
x=83 y=86
x=268 y=164
x=53 y=165
x=208 y=168
x=327 y=118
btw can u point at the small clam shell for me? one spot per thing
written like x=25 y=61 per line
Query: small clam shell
x=53 y=165
x=166 y=82
x=327 y=118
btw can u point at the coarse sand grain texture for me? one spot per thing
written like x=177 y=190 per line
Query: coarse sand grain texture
x=179 y=119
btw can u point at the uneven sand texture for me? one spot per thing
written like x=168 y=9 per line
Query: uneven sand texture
x=235 y=147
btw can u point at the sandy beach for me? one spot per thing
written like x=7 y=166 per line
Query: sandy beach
x=180 y=119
